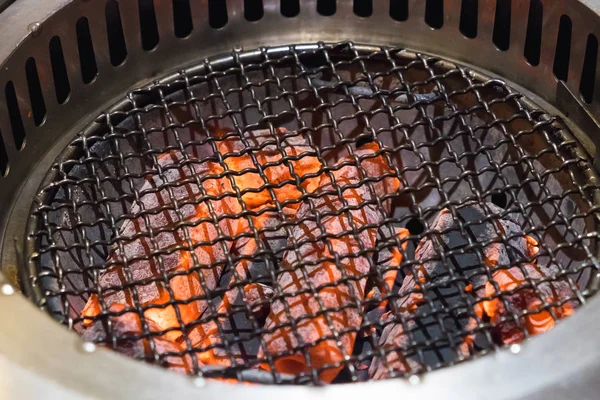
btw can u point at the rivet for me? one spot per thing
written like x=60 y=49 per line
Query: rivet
x=515 y=348
x=414 y=380
x=88 y=347
x=8 y=289
x=237 y=48
x=199 y=381
x=35 y=28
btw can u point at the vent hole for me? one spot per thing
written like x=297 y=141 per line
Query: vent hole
x=253 y=10
x=87 y=58
x=3 y=158
x=36 y=97
x=500 y=199
x=217 y=13
x=501 y=36
x=182 y=18
x=415 y=226
x=290 y=8
x=62 y=87
x=114 y=29
x=361 y=141
x=434 y=13
x=533 y=40
x=588 y=74
x=148 y=25
x=562 y=57
x=469 y=14
x=326 y=7
x=399 y=10
x=363 y=8
x=14 y=114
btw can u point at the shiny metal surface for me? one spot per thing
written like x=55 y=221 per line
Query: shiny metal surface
x=5 y=3
x=557 y=365
x=552 y=363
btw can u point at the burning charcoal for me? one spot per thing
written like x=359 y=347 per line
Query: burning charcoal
x=441 y=295
x=408 y=98
x=132 y=342
x=485 y=249
x=233 y=323
x=175 y=198
x=394 y=361
x=443 y=324
x=526 y=289
x=257 y=295
x=389 y=259
x=314 y=284
x=356 y=90
x=137 y=244
x=269 y=151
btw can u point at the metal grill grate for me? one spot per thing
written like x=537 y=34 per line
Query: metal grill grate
x=245 y=215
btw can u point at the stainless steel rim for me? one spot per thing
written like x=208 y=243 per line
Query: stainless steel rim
x=558 y=364
x=555 y=365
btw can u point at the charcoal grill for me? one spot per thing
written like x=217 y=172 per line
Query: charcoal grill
x=488 y=103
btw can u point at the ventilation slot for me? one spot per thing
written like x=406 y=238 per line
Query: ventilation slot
x=363 y=8
x=326 y=7
x=14 y=114
x=562 y=57
x=3 y=158
x=36 y=98
x=114 y=29
x=434 y=13
x=87 y=58
x=62 y=87
x=588 y=75
x=399 y=10
x=217 y=13
x=290 y=8
x=501 y=36
x=148 y=25
x=253 y=10
x=533 y=40
x=182 y=18
x=469 y=14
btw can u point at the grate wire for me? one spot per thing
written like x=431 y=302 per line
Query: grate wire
x=453 y=139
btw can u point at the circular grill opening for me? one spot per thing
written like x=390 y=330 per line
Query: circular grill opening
x=314 y=214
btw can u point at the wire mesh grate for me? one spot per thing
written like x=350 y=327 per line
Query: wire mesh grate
x=314 y=214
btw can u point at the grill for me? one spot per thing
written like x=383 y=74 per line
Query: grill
x=374 y=193
x=455 y=141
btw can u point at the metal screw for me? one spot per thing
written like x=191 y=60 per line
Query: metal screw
x=515 y=348
x=237 y=48
x=8 y=289
x=414 y=380
x=88 y=347
x=35 y=28
x=199 y=381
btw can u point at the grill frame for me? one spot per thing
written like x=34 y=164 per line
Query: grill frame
x=250 y=59
x=27 y=12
